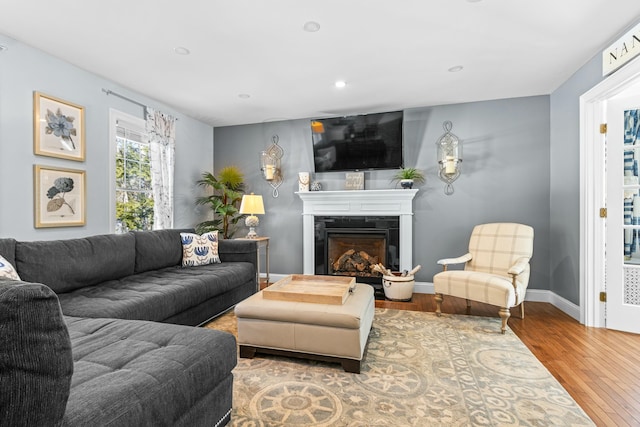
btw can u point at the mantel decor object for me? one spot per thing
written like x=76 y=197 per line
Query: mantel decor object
x=270 y=164
x=304 y=179
x=449 y=157
x=354 y=181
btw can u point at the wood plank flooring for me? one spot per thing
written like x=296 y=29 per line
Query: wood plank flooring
x=600 y=368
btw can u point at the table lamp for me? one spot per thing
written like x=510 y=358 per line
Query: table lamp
x=252 y=204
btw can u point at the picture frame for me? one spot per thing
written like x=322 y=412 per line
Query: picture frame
x=58 y=128
x=354 y=181
x=59 y=197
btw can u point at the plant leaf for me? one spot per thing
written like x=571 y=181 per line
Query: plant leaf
x=55 y=204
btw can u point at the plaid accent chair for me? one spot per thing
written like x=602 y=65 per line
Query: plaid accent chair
x=496 y=269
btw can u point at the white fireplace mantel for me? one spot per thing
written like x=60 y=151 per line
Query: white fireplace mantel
x=357 y=203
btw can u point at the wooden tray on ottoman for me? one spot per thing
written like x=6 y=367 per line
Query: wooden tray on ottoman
x=308 y=288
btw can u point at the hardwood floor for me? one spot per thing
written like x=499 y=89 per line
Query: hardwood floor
x=600 y=368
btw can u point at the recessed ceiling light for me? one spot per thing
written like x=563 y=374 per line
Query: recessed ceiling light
x=340 y=84
x=244 y=96
x=455 y=69
x=180 y=50
x=311 y=26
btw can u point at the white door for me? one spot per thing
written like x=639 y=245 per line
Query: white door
x=623 y=216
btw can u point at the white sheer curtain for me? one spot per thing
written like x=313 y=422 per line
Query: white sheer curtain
x=161 y=129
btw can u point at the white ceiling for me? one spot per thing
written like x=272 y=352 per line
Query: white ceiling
x=392 y=54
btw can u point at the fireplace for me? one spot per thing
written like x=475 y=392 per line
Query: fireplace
x=364 y=210
x=352 y=245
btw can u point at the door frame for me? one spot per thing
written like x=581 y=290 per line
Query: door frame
x=592 y=189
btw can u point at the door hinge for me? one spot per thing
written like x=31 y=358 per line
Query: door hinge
x=603 y=297
x=603 y=128
x=603 y=212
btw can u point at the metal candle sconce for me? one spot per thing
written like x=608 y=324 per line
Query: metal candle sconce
x=270 y=164
x=449 y=157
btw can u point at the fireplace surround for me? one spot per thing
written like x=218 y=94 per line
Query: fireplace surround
x=358 y=203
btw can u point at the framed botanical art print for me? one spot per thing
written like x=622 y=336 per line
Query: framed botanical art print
x=58 y=128
x=60 y=197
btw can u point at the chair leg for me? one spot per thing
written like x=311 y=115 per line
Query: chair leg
x=504 y=315
x=438 y=298
x=468 y=306
x=522 y=310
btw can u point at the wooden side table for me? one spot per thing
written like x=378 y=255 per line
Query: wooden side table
x=261 y=241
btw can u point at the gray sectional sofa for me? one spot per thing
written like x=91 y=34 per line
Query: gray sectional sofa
x=94 y=332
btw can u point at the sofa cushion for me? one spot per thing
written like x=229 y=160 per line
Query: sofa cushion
x=159 y=294
x=35 y=356
x=134 y=373
x=199 y=249
x=65 y=265
x=7 y=270
x=158 y=248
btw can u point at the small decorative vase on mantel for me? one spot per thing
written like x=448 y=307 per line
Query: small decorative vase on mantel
x=407 y=176
x=406 y=183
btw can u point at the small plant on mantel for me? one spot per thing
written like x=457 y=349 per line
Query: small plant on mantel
x=407 y=176
x=224 y=202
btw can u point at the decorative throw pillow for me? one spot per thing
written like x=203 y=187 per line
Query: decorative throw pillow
x=7 y=270
x=199 y=250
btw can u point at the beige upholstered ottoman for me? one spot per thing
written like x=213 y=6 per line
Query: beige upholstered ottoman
x=326 y=332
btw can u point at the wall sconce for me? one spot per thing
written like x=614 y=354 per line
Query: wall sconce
x=270 y=164
x=449 y=157
x=252 y=204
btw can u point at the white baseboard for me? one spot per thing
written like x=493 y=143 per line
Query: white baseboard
x=536 y=295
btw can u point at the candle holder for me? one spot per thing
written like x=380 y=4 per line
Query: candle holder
x=270 y=165
x=449 y=157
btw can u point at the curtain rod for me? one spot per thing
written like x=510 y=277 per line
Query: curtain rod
x=110 y=92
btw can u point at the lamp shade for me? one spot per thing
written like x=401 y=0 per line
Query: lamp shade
x=252 y=204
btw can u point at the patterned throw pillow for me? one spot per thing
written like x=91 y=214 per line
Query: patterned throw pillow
x=7 y=270
x=199 y=250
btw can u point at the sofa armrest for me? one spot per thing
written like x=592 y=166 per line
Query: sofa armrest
x=238 y=251
x=35 y=355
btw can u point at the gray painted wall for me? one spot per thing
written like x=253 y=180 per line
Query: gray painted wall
x=24 y=70
x=565 y=179
x=505 y=178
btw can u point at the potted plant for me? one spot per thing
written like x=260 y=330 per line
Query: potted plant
x=227 y=190
x=407 y=176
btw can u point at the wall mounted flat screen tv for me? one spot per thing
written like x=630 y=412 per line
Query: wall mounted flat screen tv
x=364 y=142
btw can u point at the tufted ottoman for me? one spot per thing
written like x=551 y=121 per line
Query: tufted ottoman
x=327 y=332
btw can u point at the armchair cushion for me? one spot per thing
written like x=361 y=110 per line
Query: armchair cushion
x=482 y=287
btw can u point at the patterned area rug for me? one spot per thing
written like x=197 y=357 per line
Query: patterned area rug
x=419 y=370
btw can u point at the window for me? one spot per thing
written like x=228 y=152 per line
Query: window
x=134 y=204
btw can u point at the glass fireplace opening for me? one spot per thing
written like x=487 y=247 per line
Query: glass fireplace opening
x=356 y=253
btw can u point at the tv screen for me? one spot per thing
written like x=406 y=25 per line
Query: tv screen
x=370 y=141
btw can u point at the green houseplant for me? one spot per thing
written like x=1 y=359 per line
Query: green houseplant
x=224 y=201
x=407 y=176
